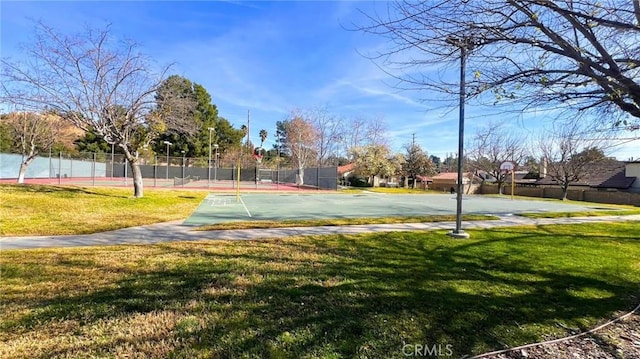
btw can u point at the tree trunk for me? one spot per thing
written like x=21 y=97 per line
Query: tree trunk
x=23 y=168
x=300 y=177
x=138 y=185
x=499 y=187
x=564 y=193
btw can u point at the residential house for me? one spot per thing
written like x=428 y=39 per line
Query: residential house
x=607 y=175
x=632 y=170
x=344 y=172
x=446 y=180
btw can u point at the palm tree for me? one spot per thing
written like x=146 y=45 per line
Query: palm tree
x=263 y=136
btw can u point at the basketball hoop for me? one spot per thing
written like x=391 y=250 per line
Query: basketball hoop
x=257 y=154
x=507 y=166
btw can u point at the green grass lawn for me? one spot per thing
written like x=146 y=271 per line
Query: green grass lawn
x=338 y=296
x=51 y=210
x=342 y=221
x=611 y=212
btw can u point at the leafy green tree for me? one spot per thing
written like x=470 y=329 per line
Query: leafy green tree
x=436 y=161
x=281 y=138
x=449 y=164
x=92 y=142
x=6 y=136
x=202 y=116
x=416 y=163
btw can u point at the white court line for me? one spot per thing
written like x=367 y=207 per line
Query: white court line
x=245 y=206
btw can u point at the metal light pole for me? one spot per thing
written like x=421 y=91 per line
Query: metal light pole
x=209 y=168
x=215 y=168
x=465 y=44
x=168 y=144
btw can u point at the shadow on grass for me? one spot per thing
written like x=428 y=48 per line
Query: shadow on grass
x=363 y=296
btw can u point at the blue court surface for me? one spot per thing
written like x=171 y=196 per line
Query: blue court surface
x=220 y=208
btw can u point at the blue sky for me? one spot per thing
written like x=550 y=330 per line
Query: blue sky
x=270 y=58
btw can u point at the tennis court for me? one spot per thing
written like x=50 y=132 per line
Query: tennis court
x=219 y=208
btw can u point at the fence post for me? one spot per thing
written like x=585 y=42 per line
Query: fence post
x=93 y=170
x=50 y=164
x=60 y=168
x=155 y=171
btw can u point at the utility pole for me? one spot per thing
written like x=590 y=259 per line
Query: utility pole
x=248 y=126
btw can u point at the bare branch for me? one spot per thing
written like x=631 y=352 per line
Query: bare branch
x=582 y=54
x=93 y=81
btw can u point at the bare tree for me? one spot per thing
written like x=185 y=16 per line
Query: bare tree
x=31 y=133
x=581 y=54
x=493 y=145
x=329 y=132
x=301 y=139
x=95 y=82
x=569 y=152
x=360 y=131
x=353 y=134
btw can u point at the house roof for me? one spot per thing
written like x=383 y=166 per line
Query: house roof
x=346 y=168
x=522 y=177
x=605 y=174
x=453 y=176
x=448 y=175
x=424 y=178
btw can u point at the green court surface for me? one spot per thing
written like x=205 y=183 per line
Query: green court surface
x=219 y=208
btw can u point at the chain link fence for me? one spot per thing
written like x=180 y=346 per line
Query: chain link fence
x=166 y=170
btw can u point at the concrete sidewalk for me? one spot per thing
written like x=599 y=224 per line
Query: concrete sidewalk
x=175 y=231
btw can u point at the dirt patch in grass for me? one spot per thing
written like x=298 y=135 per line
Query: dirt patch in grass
x=618 y=340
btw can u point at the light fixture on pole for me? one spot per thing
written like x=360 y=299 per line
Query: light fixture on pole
x=168 y=144
x=215 y=168
x=464 y=44
x=211 y=129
